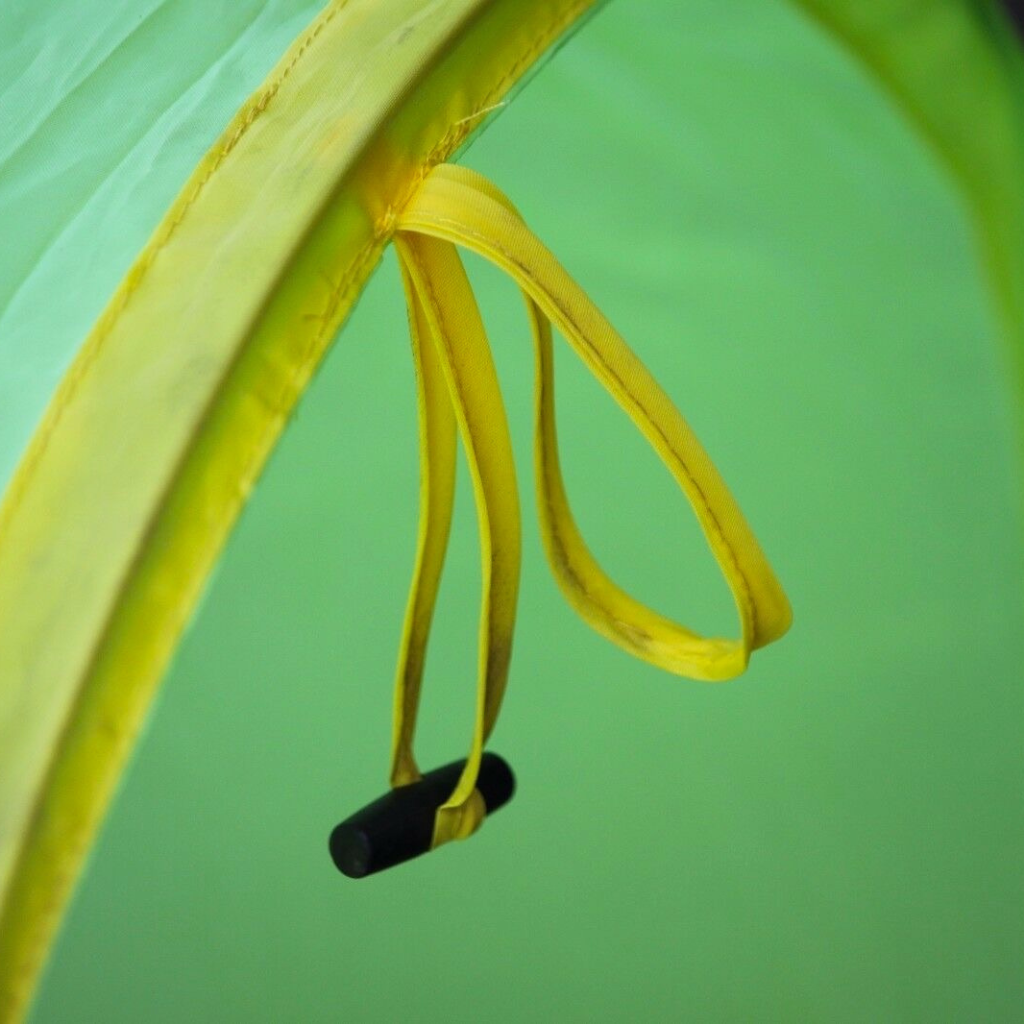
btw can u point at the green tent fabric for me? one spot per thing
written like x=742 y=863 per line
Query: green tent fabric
x=833 y=837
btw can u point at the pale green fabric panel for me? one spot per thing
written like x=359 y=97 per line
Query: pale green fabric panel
x=105 y=109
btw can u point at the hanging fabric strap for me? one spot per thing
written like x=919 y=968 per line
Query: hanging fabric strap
x=457 y=384
x=451 y=352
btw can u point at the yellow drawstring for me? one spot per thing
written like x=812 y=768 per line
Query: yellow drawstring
x=456 y=206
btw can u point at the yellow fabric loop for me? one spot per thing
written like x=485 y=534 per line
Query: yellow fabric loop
x=457 y=384
x=437 y=495
x=448 y=335
x=458 y=206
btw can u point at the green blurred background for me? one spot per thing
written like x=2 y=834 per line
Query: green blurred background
x=837 y=835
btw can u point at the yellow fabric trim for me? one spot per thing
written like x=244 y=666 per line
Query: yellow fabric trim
x=164 y=421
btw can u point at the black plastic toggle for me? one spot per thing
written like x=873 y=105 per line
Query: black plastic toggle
x=400 y=825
